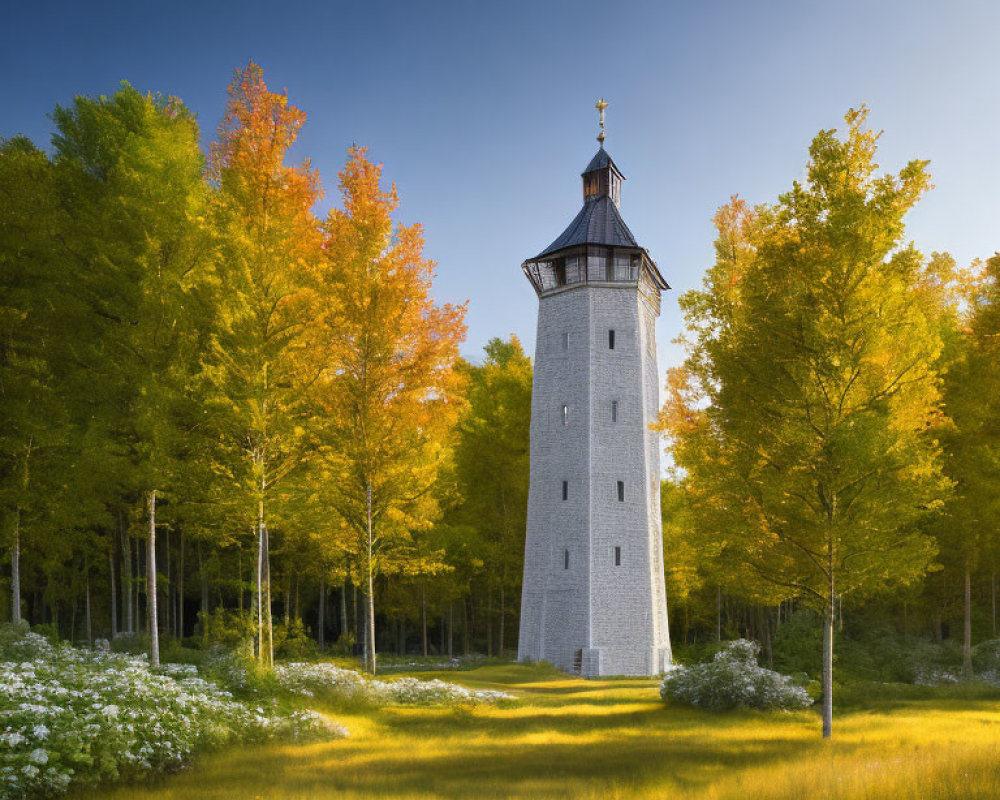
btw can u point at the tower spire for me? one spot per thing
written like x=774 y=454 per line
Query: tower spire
x=600 y=106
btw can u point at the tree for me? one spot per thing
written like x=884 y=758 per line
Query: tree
x=491 y=466
x=263 y=213
x=33 y=423
x=966 y=528
x=134 y=160
x=815 y=342
x=387 y=388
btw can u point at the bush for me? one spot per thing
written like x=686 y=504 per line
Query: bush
x=732 y=679
x=73 y=715
x=347 y=685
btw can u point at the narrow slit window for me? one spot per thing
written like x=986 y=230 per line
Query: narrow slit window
x=565 y=340
x=621 y=491
x=614 y=411
x=565 y=559
x=565 y=414
x=611 y=339
x=618 y=556
x=565 y=490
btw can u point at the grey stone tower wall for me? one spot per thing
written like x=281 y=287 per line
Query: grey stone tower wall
x=610 y=619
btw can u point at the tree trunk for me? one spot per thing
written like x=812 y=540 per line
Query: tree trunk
x=15 y=571
x=423 y=623
x=370 y=605
x=828 y=624
x=152 y=622
x=967 y=637
x=502 y=616
x=90 y=630
x=268 y=616
x=451 y=630
x=465 y=626
x=167 y=602
x=343 y=609
x=321 y=615
x=114 y=590
x=718 y=614
x=203 y=579
x=180 y=586
x=129 y=621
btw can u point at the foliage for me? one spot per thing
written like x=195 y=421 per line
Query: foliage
x=81 y=716
x=732 y=679
x=335 y=682
x=806 y=412
x=383 y=354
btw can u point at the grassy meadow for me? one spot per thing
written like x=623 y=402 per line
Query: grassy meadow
x=572 y=738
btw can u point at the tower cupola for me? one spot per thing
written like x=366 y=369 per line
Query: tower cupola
x=602 y=178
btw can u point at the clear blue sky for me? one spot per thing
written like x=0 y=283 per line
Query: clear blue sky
x=483 y=113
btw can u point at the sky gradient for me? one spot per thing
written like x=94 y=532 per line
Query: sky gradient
x=483 y=113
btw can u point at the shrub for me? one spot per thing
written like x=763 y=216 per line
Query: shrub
x=72 y=715
x=351 y=686
x=731 y=679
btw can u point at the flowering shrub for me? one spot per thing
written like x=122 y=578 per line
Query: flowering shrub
x=307 y=679
x=733 y=678
x=79 y=715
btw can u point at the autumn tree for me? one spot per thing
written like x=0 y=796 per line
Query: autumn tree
x=813 y=354
x=269 y=238
x=387 y=388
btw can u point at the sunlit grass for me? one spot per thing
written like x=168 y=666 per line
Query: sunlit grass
x=569 y=738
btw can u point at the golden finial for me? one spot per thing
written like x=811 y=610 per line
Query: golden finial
x=601 y=105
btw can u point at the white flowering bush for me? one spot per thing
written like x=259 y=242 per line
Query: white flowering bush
x=733 y=678
x=71 y=715
x=308 y=679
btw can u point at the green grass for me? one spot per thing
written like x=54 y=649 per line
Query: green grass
x=569 y=738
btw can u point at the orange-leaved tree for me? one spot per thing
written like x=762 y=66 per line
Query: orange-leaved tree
x=387 y=391
x=269 y=239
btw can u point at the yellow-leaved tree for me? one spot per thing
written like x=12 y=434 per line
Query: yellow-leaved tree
x=812 y=384
x=387 y=388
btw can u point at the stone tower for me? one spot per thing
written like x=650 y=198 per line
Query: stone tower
x=593 y=599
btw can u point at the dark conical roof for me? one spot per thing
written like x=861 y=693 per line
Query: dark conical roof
x=597 y=223
x=601 y=160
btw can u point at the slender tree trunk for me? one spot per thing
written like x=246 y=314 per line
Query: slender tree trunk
x=167 y=594
x=259 y=593
x=718 y=614
x=423 y=622
x=343 y=609
x=90 y=630
x=967 y=637
x=465 y=626
x=451 y=630
x=321 y=615
x=203 y=579
x=15 y=571
x=180 y=586
x=828 y=625
x=503 y=614
x=152 y=622
x=370 y=605
x=993 y=599
x=126 y=549
x=268 y=615
x=114 y=590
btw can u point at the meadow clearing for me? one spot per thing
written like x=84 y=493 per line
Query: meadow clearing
x=566 y=737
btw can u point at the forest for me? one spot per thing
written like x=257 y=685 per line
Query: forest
x=226 y=420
